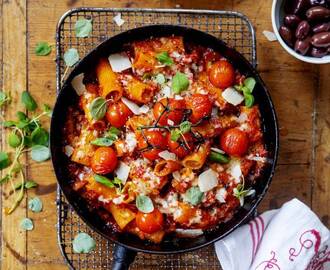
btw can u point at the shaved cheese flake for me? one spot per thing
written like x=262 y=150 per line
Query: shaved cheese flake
x=176 y=175
x=232 y=96
x=242 y=118
x=207 y=180
x=166 y=91
x=178 y=97
x=130 y=141
x=214 y=149
x=68 y=149
x=234 y=170
x=221 y=195
x=118 y=20
x=134 y=107
x=258 y=159
x=119 y=62
x=122 y=172
x=269 y=35
x=167 y=155
x=78 y=85
x=190 y=233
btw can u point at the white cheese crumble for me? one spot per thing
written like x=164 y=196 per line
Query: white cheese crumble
x=68 y=149
x=78 y=85
x=221 y=195
x=118 y=20
x=167 y=155
x=130 y=141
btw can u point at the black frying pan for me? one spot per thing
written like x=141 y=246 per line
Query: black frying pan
x=128 y=245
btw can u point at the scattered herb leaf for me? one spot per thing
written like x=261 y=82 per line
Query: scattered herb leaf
x=249 y=100
x=194 y=196
x=98 y=108
x=35 y=205
x=218 y=157
x=26 y=224
x=160 y=78
x=83 y=243
x=104 y=180
x=28 y=101
x=4 y=160
x=180 y=82
x=185 y=127
x=14 y=140
x=102 y=142
x=27 y=185
x=144 y=204
x=42 y=49
x=71 y=57
x=83 y=28
x=3 y=98
x=175 y=134
x=40 y=153
x=240 y=193
x=164 y=58
x=250 y=83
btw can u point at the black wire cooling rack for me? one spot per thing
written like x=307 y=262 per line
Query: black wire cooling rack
x=232 y=27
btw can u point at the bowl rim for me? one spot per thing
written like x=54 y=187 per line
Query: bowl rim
x=308 y=59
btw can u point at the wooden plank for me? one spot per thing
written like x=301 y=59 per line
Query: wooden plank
x=1 y=128
x=14 y=82
x=321 y=169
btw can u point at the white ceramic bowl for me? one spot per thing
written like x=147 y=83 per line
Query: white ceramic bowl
x=277 y=20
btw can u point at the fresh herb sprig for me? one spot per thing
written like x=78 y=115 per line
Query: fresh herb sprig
x=247 y=88
x=240 y=192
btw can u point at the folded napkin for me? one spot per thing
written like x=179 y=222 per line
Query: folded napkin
x=291 y=237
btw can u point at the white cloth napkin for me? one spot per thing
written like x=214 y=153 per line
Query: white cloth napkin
x=289 y=238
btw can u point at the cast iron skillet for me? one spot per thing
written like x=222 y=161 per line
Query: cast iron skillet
x=128 y=245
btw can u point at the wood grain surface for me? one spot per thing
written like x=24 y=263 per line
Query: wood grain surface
x=300 y=92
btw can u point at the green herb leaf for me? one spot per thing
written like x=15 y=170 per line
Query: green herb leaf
x=4 y=179
x=40 y=136
x=4 y=160
x=164 y=58
x=185 y=127
x=21 y=116
x=98 y=108
x=14 y=140
x=40 y=153
x=27 y=141
x=48 y=110
x=28 y=101
x=9 y=123
x=71 y=57
x=113 y=131
x=103 y=180
x=102 y=142
x=250 y=83
x=27 y=185
x=218 y=157
x=249 y=100
x=35 y=205
x=160 y=78
x=83 y=243
x=42 y=49
x=194 y=196
x=83 y=28
x=22 y=124
x=240 y=193
x=3 y=98
x=26 y=224
x=175 y=134
x=180 y=82
x=144 y=204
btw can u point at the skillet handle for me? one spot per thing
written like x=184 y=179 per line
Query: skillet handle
x=122 y=258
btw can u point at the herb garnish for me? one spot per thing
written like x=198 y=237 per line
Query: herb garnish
x=71 y=57
x=83 y=28
x=164 y=58
x=109 y=137
x=247 y=88
x=83 y=243
x=194 y=196
x=115 y=183
x=35 y=205
x=180 y=82
x=218 y=157
x=26 y=224
x=240 y=193
x=98 y=108
x=144 y=204
x=42 y=49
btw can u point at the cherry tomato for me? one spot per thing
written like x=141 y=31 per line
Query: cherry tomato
x=222 y=74
x=200 y=105
x=104 y=160
x=151 y=222
x=157 y=142
x=179 y=147
x=118 y=114
x=174 y=110
x=234 y=142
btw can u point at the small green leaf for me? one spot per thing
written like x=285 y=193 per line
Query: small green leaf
x=185 y=127
x=35 y=205
x=42 y=49
x=14 y=140
x=22 y=124
x=113 y=130
x=98 y=108
x=249 y=100
x=4 y=160
x=250 y=83
x=3 y=98
x=40 y=136
x=180 y=82
x=175 y=134
x=9 y=123
x=194 y=196
x=48 y=110
x=21 y=116
x=164 y=58
x=71 y=57
x=246 y=91
x=83 y=28
x=144 y=204
x=4 y=179
x=26 y=224
x=103 y=180
x=83 y=243
x=160 y=78
x=28 y=101
x=40 y=153
x=102 y=142
x=27 y=185
x=218 y=157
x=27 y=141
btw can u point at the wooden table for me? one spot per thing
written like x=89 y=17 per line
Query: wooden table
x=300 y=91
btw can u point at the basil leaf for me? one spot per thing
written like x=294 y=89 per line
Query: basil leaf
x=28 y=101
x=185 y=127
x=180 y=82
x=102 y=142
x=42 y=49
x=164 y=58
x=113 y=130
x=250 y=83
x=249 y=100
x=22 y=124
x=194 y=196
x=40 y=153
x=21 y=116
x=26 y=224
x=218 y=157
x=27 y=141
x=103 y=180
x=35 y=205
x=27 y=185
x=175 y=134
x=98 y=108
x=144 y=204
x=9 y=123
x=14 y=140
x=83 y=28
x=4 y=160
x=71 y=57
x=246 y=91
x=40 y=136
x=48 y=110
x=160 y=78
x=83 y=243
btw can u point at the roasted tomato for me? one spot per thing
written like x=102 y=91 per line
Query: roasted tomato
x=104 y=160
x=200 y=106
x=234 y=142
x=151 y=222
x=151 y=143
x=180 y=147
x=169 y=109
x=118 y=114
x=222 y=74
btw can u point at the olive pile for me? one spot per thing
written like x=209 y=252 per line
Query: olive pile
x=307 y=26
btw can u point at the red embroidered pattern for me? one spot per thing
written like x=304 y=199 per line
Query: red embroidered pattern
x=270 y=264
x=320 y=260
